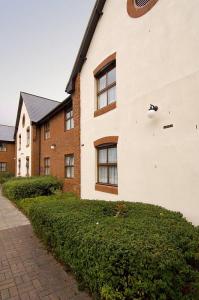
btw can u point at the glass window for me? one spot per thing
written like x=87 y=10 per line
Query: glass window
x=102 y=100
x=47 y=166
x=141 y=3
x=47 y=130
x=20 y=142
x=28 y=136
x=19 y=166
x=3 y=147
x=27 y=166
x=3 y=166
x=23 y=120
x=69 y=120
x=106 y=86
x=69 y=166
x=112 y=95
x=111 y=76
x=107 y=165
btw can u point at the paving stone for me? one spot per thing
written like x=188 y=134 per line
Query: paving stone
x=27 y=270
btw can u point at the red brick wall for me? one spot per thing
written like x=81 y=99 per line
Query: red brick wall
x=67 y=142
x=9 y=157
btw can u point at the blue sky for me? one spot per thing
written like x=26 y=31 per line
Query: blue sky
x=39 y=40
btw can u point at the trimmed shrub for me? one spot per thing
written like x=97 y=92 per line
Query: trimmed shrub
x=120 y=251
x=5 y=176
x=30 y=187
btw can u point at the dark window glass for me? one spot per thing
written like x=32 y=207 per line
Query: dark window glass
x=28 y=136
x=3 y=166
x=47 y=166
x=106 y=86
x=107 y=165
x=3 y=147
x=69 y=120
x=19 y=166
x=141 y=3
x=20 y=142
x=47 y=130
x=27 y=166
x=69 y=166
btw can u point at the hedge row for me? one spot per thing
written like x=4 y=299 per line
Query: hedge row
x=120 y=251
x=30 y=187
x=5 y=176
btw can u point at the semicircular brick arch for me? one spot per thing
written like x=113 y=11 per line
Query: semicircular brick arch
x=137 y=8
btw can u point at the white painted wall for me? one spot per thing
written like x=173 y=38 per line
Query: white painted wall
x=25 y=151
x=157 y=62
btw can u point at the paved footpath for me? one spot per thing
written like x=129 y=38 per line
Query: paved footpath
x=27 y=271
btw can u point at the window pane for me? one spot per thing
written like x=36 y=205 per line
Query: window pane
x=103 y=174
x=102 y=100
x=113 y=175
x=68 y=115
x=112 y=95
x=112 y=155
x=102 y=156
x=3 y=167
x=72 y=172
x=68 y=172
x=102 y=83
x=72 y=123
x=68 y=124
x=112 y=76
x=2 y=147
x=69 y=160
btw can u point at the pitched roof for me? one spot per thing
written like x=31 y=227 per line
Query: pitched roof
x=90 y=30
x=62 y=105
x=37 y=107
x=7 y=133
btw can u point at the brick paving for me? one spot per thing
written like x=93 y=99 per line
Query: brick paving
x=27 y=270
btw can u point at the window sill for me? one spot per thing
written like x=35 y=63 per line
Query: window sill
x=106 y=188
x=105 y=109
x=68 y=130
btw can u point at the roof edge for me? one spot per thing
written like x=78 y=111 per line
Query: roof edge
x=81 y=56
x=7 y=141
x=55 y=110
x=39 y=97
x=18 y=115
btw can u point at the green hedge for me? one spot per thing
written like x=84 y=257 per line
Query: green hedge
x=5 y=176
x=30 y=187
x=120 y=251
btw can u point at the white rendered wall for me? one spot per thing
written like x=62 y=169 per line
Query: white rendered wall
x=25 y=151
x=157 y=62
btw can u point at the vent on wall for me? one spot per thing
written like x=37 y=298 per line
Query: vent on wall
x=141 y=3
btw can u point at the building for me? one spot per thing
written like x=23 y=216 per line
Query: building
x=7 y=149
x=47 y=137
x=31 y=110
x=136 y=53
x=60 y=142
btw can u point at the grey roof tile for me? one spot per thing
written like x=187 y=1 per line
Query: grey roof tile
x=7 y=133
x=38 y=107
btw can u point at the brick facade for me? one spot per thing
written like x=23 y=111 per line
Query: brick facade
x=8 y=157
x=65 y=142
